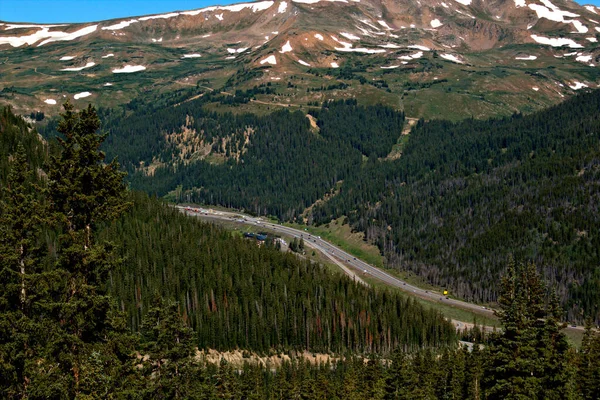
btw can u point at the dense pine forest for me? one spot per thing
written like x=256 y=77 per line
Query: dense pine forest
x=465 y=195
x=81 y=257
x=236 y=294
x=461 y=198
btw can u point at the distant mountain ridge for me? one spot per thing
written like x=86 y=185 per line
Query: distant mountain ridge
x=518 y=55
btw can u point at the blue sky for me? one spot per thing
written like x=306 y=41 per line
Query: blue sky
x=96 y=10
x=93 y=10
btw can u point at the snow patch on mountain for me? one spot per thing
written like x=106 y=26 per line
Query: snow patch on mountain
x=390 y=46
x=82 y=95
x=349 y=36
x=108 y=55
x=304 y=63
x=451 y=57
x=526 y=58
x=384 y=24
x=50 y=101
x=319 y=36
x=556 y=42
x=161 y=16
x=120 y=25
x=413 y=56
x=436 y=23
x=334 y=65
x=269 y=60
x=578 y=85
x=286 y=48
x=128 y=69
x=583 y=58
x=282 y=7
x=195 y=55
x=66 y=58
x=88 y=65
x=44 y=33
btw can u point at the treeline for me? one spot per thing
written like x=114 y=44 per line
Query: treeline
x=466 y=195
x=235 y=294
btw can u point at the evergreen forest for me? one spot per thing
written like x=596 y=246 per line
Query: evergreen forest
x=459 y=200
x=107 y=292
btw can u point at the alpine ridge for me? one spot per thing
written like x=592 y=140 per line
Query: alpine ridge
x=485 y=57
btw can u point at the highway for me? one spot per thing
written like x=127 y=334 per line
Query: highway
x=341 y=258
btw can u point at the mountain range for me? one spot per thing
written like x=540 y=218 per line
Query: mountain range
x=483 y=58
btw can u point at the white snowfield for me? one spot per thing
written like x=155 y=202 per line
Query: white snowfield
x=120 y=25
x=413 y=56
x=369 y=24
x=583 y=58
x=66 y=58
x=557 y=42
x=390 y=46
x=348 y=48
x=108 y=55
x=230 y=58
x=390 y=67
x=128 y=69
x=384 y=24
x=360 y=50
x=286 y=48
x=451 y=57
x=349 y=36
x=591 y=39
x=240 y=50
x=269 y=60
x=334 y=65
x=464 y=2
x=304 y=63
x=591 y=9
x=44 y=33
x=444 y=5
x=535 y=88
x=195 y=55
x=254 y=7
x=319 y=36
x=107 y=84
x=282 y=7
x=88 y=65
x=156 y=40
x=23 y=26
x=578 y=85
x=526 y=58
x=419 y=47
x=81 y=95
x=50 y=101
x=553 y=13
x=161 y=16
x=435 y=23
x=219 y=16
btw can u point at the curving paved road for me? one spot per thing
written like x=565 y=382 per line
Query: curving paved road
x=341 y=257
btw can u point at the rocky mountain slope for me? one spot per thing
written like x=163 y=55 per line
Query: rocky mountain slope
x=482 y=57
